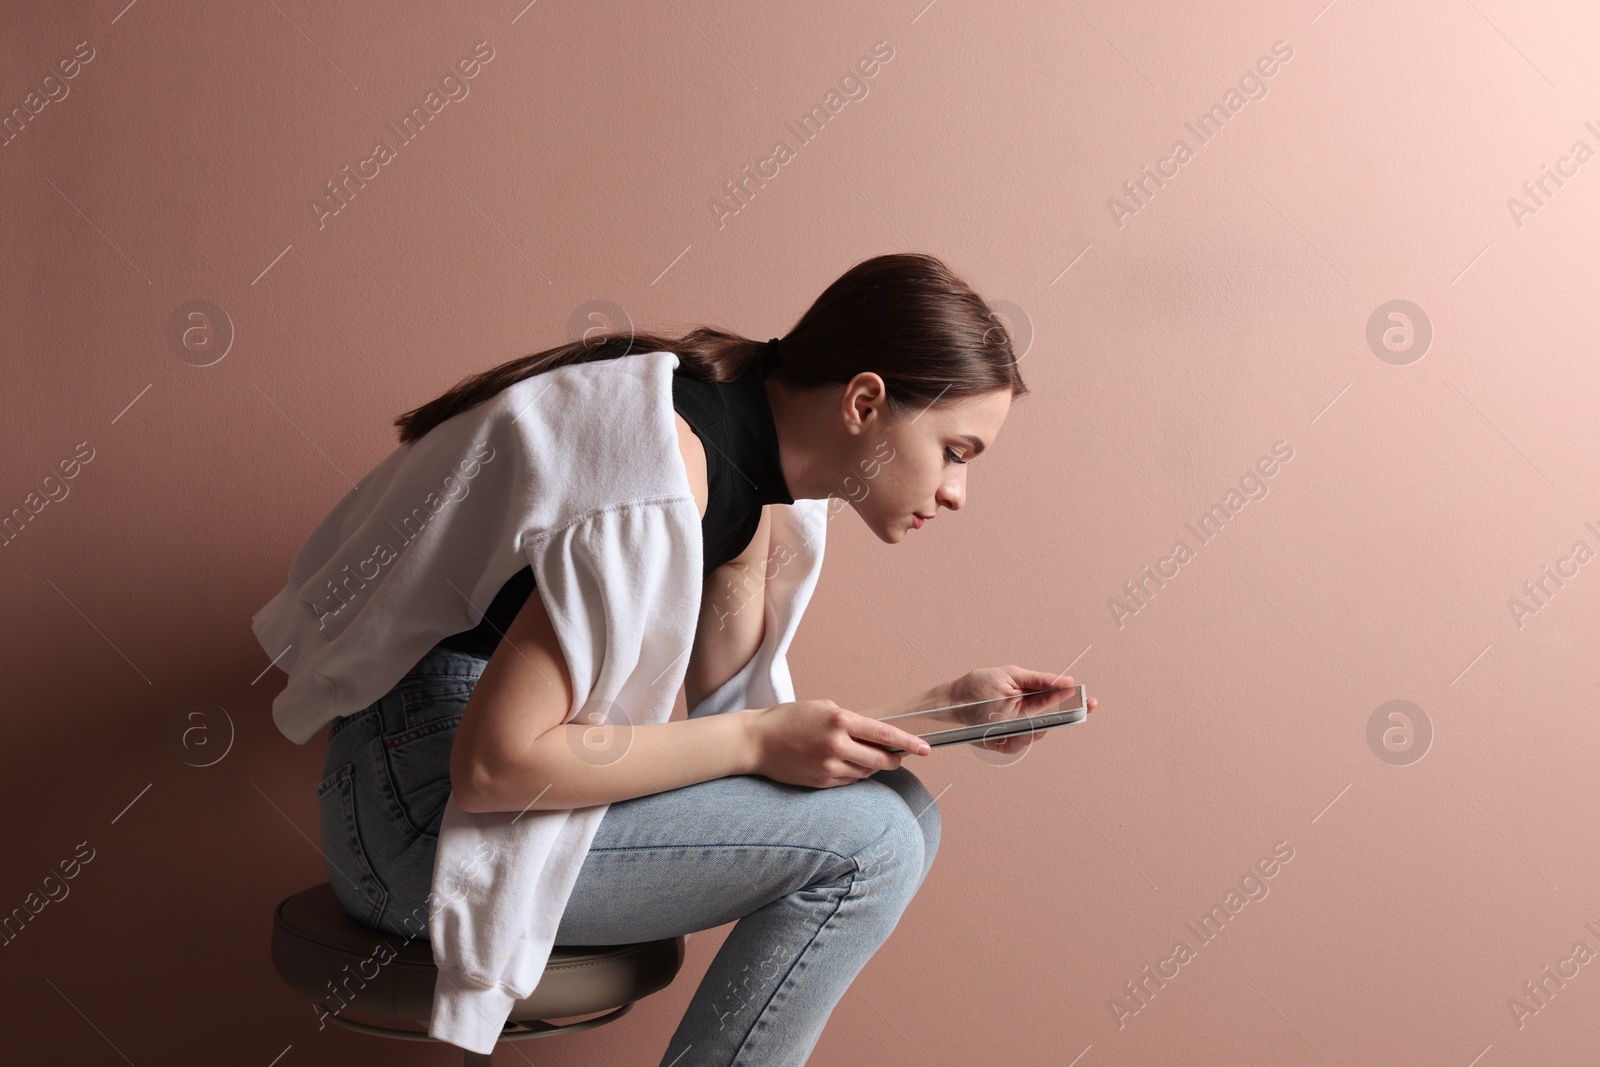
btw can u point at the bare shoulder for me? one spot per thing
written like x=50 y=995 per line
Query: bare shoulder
x=694 y=462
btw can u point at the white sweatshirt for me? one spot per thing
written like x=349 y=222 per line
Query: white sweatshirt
x=576 y=472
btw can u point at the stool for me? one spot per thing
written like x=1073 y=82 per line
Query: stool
x=321 y=950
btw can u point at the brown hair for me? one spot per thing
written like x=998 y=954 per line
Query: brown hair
x=906 y=317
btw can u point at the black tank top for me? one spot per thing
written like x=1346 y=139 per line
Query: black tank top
x=734 y=423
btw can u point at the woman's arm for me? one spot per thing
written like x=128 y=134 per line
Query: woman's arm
x=513 y=750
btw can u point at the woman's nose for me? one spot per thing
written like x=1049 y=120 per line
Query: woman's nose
x=952 y=494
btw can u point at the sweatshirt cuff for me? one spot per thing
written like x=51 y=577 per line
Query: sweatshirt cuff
x=466 y=1014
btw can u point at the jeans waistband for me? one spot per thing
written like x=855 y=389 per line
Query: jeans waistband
x=438 y=662
x=442 y=662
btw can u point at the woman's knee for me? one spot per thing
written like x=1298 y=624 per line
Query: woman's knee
x=919 y=803
x=897 y=856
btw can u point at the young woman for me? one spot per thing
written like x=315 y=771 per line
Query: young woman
x=898 y=368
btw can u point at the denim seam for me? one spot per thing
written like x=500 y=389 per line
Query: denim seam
x=342 y=784
x=720 y=844
x=426 y=728
x=788 y=978
x=390 y=791
x=419 y=709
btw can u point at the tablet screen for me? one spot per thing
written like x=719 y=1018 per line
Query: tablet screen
x=984 y=712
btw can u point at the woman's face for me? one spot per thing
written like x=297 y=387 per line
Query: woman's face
x=913 y=465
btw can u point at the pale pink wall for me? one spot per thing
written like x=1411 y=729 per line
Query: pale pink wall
x=1229 y=313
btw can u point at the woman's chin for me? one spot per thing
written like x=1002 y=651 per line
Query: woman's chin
x=889 y=531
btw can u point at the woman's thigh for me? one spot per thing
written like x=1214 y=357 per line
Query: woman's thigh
x=707 y=854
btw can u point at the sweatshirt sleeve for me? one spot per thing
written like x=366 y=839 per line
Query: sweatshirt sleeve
x=621 y=589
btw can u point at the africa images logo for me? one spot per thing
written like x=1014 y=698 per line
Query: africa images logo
x=1139 y=191
x=412 y=525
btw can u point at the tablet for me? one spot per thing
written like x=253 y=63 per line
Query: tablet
x=984 y=720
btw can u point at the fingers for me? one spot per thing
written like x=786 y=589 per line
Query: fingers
x=879 y=732
x=863 y=770
x=1031 y=680
x=843 y=772
x=870 y=758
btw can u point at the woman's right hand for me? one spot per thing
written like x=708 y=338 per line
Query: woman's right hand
x=817 y=743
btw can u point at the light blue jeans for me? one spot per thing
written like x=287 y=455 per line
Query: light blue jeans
x=815 y=879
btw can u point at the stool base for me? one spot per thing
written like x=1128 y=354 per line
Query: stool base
x=513 y=1031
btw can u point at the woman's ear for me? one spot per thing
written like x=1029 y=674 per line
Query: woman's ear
x=862 y=396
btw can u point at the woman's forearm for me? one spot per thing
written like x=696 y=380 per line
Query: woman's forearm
x=577 y=765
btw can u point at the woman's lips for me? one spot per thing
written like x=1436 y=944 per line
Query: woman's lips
x=918 y=520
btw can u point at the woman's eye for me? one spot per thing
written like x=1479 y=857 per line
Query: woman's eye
x=952 y=457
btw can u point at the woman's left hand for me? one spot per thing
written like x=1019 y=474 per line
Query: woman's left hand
x=989 y=683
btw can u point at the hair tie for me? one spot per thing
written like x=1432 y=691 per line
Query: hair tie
x=769 y=355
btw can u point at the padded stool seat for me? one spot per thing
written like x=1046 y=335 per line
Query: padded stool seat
x=322 y=951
